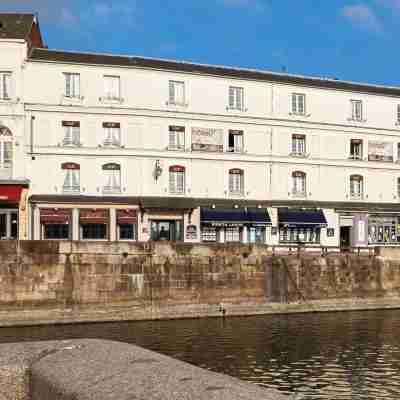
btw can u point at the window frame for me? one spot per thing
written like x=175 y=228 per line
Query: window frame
x=72 y=133
x=232 y=135
x=107 y=91
x=109 y=130
x=296 y=103
x=236 y=98
x=177 y=179
x=72 y=173
x=355 y=110
x=359 y=193
x=172 y=93
x=110 y=175
x=299 y=141
x=5 y=85
x=236 y=185
x=299 y=184
x=72 y=87
x=353 y=144
x=176 y=132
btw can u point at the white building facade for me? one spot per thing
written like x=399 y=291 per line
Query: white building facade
x=128 y=148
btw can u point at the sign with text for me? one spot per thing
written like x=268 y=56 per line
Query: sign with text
x=380 y=151
x=208 y=139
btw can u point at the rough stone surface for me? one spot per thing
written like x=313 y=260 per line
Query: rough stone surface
x=96 y=369
x=56 y=282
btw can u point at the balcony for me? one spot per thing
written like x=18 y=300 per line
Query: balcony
x=356 y=196
x=299 y=194
x=111 y=189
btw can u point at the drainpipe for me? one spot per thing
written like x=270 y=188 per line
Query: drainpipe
x=31 y=139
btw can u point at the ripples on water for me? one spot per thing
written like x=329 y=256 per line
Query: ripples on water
x=317 y=356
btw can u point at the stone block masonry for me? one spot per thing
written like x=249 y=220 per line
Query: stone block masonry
x=61 y=282
x=96 y=369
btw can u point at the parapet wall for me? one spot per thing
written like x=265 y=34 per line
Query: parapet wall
x=97 y=369
x=90 y=281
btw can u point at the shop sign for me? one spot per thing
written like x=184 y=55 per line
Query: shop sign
x=191 y=232
x=380 y=151
x=330 y=232
x=226 y=224
x=207 y=139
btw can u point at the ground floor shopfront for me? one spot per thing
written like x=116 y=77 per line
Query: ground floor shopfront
x=169 y=219
x=13 y=210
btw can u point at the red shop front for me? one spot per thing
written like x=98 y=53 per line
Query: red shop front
x=11 y=206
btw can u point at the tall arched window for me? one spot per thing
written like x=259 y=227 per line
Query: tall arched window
x=112 y=177
x=71 y=177
x=236 y=181
x=6 y=145
x=299 y=184
x=356 y=186
x=177 y=179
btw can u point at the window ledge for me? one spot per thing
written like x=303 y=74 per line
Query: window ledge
x=71 y=190
x=78 y=99
x=298 y=195
x=304 y=115
x=177 y=193
x=8 y=100
x=355 y=158
x=177 y=105
x=300 y=155
x=236 y=151
x=64 y=144
x=242 y=110
x=112 y=190
x=356 y=120
x=356 y=197
x=236 y=194
x=175 y=148
x=111 y=100
x=111 y=145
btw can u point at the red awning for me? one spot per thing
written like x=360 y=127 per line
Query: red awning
x=93 y=216
x=11 y=193
x=126 y=216
x=51 y=215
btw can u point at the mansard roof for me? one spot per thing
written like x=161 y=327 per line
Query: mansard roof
x=15 y=26
x=57 y=56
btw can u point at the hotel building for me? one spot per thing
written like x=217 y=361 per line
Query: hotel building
x=109 y=147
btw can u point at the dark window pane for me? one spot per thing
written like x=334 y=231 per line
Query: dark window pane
x=127 y=232
x=56 y=231
x=94 y=231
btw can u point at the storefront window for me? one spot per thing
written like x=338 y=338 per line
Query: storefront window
x=257 y=235
x=300 y=235
x=93 y=231
x=233 y=234
x=208 y=234
x=384 y=229
x=93 y=224
x=126 y=231
x=56 y=231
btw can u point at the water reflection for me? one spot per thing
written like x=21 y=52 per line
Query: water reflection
x=318 y=356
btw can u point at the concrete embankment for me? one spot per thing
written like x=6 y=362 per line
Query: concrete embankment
x=95 y=369
x=65 y=282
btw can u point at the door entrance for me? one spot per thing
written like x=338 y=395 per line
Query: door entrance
x=166 y=230
x=345 y=232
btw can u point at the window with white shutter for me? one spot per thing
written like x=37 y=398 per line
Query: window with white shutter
x=356 y=110
x=176 y=138
x=298 y=145
x=72 y=133
x=177 y=179
x=112 y=178
x=236 y=98
x=356 y=186
x=112 y=87
x=112 y=134
x=72 y=85
x=177 y=93
x=6 y=147
x=236 y=181
x=299 y=184
x=298 y=103
x=5 y=85
x=71 y=177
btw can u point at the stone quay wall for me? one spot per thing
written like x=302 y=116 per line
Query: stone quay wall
x=56 y=282
x=104 y=370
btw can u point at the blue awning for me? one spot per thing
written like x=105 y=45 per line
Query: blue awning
x=234 y=217
x=296 y=218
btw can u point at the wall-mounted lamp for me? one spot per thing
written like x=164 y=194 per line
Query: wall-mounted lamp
x=157 y=170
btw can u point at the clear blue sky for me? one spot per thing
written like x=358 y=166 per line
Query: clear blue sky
x=351 y=40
